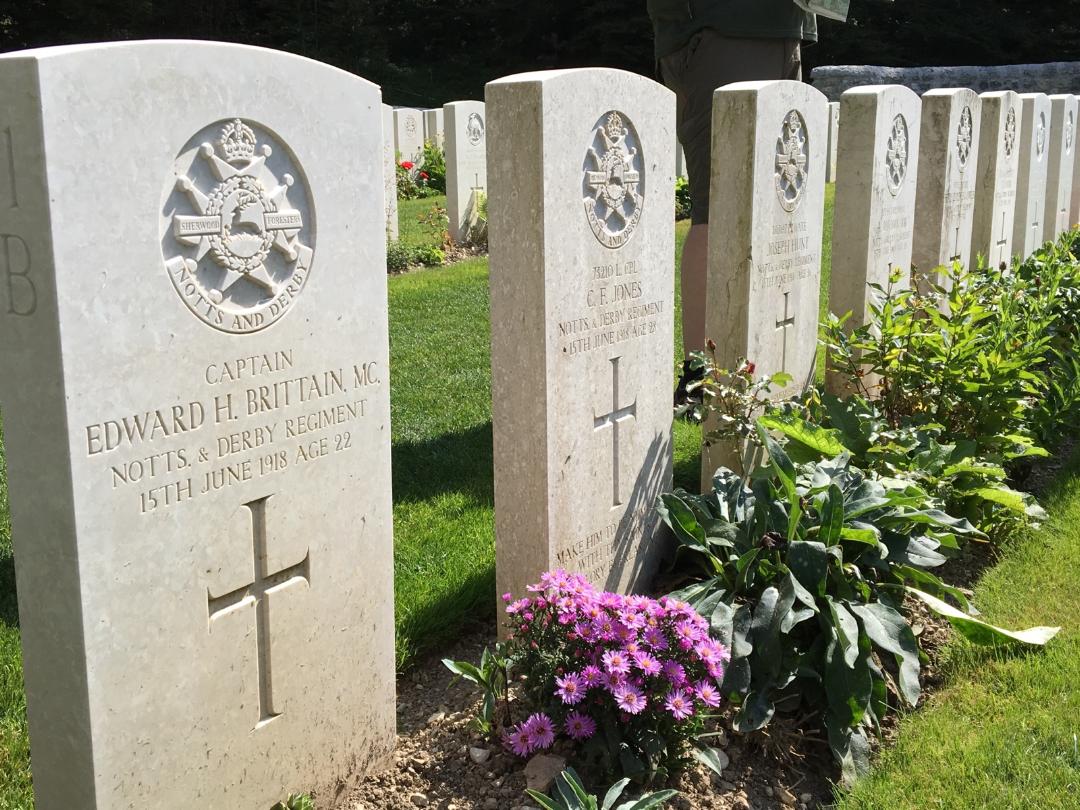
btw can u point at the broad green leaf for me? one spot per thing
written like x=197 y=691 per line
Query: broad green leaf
x=867 y=536
x=678 y=515
x=613 y=794
x=823 y=441
x=466 y=670
x=542 y=800
x=710 y=758
x=979 y=632
x=809 y=563
x=832 y=516
x=851 y=749
x=847 y=630
x=890 y=631
x=1003 y=496
x=652 y=800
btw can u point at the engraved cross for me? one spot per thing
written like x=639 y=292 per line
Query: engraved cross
x=956 y=246
x=614 y=418
x=265 y=583
x=785 y=325
x=1035 y=226
x=1003 y=241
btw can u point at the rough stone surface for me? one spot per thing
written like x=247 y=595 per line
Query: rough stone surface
x=765 y=230
x=875 y=198
x=1052 y=77
x=542 y=770
x=834 y=135
x=948 y=165
x=1059 y=169
x=194 y=289
x=409 y=134
x=389 y=172
x=1031 y=181
x=995 y=180
x=582 y=272
x=466 y=161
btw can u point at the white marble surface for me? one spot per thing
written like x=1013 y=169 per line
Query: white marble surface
x=765 y=230
x=409 y=134
x=581 y=173
x=466 y=161
x=199 y=455
x=948 y=167
x=998 y=170
x=433 y=126
x=1059 y=168
x=389 y=173
x=1029 y=219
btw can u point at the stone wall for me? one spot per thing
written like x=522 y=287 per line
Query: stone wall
x=1053 y=77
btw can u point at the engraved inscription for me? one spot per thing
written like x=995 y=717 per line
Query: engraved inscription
x=964 y=136
x=254 y=594
x=474 y=129
x=10 y=150
x=1010 y=132
x=21 y=292
x=792 y=160
x=896 y=155
x=614 y=418
x=613 y=185
x=242 y=257
x=617 y=308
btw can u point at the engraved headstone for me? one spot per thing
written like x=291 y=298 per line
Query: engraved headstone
x=196 y=418
x=945 y=198
x=834 y=140
x=466 y=162
x=995 y=182
x=582 y=288
x=409 y=134
x=765 y=227
x=1059 y=168
x=389 y=173
x=875 y=199
x=1031 y=179
x=433 y=126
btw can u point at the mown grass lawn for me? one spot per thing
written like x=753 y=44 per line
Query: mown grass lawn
x=1005 y=731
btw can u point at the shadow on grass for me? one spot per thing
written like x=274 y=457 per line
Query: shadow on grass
x=453 y=462
x=9 y=605
x=465 y=608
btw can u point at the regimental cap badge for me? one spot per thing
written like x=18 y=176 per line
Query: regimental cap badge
x=896 y=155
x=792 y=161
x=1010 y=132
x=964 y=137
x=613 y=185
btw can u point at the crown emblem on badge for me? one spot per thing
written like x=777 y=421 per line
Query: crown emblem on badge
x=237 y=142
x=615 y=127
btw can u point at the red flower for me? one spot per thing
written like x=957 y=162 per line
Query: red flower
x=750 y=367
x=424 y=175
x=406 y=164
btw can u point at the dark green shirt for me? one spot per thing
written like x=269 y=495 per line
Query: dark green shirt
x=676 y=21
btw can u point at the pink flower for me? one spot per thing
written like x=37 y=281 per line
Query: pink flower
x=656 y=639
x=707 y=693
x=506 y=597
x=616 y=662
x=541 y=730
x=675 y=673
x=579 y=726
x=519 y=740
x=592 y=676
x=630 y=699
x=571 y=689
x=680 y=703
x=647 y=664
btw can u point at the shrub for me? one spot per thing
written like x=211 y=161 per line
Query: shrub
x=434 y=164
x=682 y=198
x=629 y=680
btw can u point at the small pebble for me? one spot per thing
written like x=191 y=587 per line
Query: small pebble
x=479 y=755
x=491 y=803
x=785 y=796
x=419 y=799
x=438 y=717
x=768 y=791
x=806 y=798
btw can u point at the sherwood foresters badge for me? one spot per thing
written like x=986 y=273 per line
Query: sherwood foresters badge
x=240 y=252
x=613 y=184
x=896 y=155
x=964 y=137
x=792 y=159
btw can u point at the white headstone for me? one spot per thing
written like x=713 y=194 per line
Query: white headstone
x=196 y=417
x=1059 y=169
x=1074 y=206
x=680 y=160
x=995 y=184
x=466 y=162
x=765 y=227
x=389 y=173
x=433 y=126
x=582 y=289
x=874 y=212
x=948 y=165
x=1031 y=180
x=834 y=139
x=409 y=134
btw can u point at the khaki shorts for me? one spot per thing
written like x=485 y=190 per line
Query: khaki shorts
x=706 y=62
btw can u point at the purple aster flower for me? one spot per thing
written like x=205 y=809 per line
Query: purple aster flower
x=604 y=628
x=685 y=631
x=675 y=673
x=592 y=676
x=656 y=639
x=616 y=662
x=571 y=689
x=541 y=730
x=647 y=664
x=519 y=740
x=707 y=693
x=579 y=726
x=630 y=699
x=680 y=703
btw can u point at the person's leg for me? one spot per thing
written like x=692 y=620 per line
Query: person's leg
x=693 y=274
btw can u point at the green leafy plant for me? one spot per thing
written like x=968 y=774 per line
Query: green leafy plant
x=570 y=794
x=299 y=801
x=434 y=163
x=492 y=677
x=683 y=203
x=803 y=575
